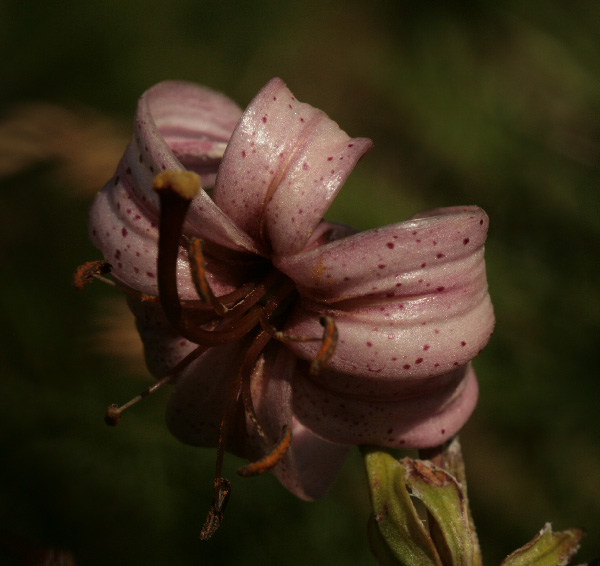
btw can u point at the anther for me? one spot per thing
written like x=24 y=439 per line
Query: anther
x=270 y=460
x=328 y=345
x=89 y=271
x=217 y=509
x=114 y=411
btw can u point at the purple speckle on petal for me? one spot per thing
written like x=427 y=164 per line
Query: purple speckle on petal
x=466 y=241
x=390 y=245
x=124 y=232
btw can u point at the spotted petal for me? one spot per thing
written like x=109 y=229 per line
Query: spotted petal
x=409 y=300
x=284 y=165
x=404 y=414
x=174 y=121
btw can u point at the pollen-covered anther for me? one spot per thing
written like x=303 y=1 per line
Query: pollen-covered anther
x=328 y=345
x=89 y=271
x=270 y=460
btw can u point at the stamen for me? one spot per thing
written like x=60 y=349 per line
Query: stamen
x=113 y=413
x=330 y=339
x=229 y=331
x=248 y=367
x=217 y=509
x=91 y=270
x=199 y=276
x=243 y=298
x=269 y=461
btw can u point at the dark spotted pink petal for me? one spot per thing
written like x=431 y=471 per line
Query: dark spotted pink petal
x=283 y=167
x=414 y=414
x=409 y=300
x=196 y=121
x=408 y=258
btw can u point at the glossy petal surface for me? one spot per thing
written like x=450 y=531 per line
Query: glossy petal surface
x=409 y=300
x=283 y=167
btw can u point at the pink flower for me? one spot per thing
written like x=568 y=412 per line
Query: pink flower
x=409 y=301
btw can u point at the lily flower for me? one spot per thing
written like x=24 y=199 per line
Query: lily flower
x=287 y=338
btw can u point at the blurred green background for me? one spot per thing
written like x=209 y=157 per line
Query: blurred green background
x=496 y=104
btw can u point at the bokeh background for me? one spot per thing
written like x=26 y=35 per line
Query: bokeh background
x=475 y=102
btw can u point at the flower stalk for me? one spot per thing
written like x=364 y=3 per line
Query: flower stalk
x=399 y=536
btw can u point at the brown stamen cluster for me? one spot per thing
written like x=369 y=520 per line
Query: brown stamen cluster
x=250 y=309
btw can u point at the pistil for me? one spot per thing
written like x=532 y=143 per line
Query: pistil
x=256 y=308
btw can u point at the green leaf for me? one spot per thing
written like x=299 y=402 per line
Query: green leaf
x=447 y=507
x=547 y=548
x=396 y=533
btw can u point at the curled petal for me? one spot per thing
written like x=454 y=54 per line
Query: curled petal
x=284 y=165
x=413 y=257
x=437 y=408
x=195 y=122
x=124 y=216
x=418 y=308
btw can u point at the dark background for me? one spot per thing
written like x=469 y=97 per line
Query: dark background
x=495 y=104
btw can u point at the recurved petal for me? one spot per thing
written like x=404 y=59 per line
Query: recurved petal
x=284 y=165
x=405 y=259
x=126 y=232
x=194 y=121
x=414 y=415
x=417 y=308
x=174 y=120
